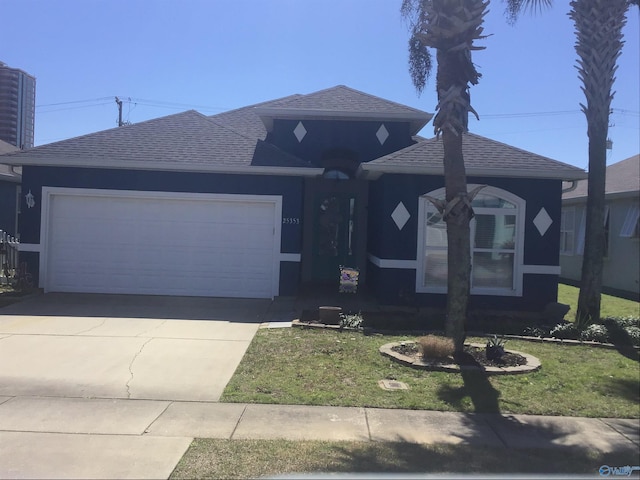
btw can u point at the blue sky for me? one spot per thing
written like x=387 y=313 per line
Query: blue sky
x=215 y=55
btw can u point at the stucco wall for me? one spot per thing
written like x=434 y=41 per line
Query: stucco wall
x=290 y=188
x=388 y=243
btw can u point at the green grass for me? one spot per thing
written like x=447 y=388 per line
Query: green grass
x=610 y=306
x=208 y=458
x=326 y=367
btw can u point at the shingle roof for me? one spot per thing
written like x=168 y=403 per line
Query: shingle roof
x=183 y=138
x=233 y=142
x=344 y=99
x=621 y=177
x=482 y=156
x=7 y=147
x=6 y=174
x=344 y=102
x=246 y=121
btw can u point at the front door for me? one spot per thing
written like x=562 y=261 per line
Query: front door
x=334 y=237
x=335 y=229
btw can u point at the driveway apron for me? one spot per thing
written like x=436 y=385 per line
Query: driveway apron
x=120 y=346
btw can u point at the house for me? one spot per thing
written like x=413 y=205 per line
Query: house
x=9 y=193
x=621 y=269
x=257 y=201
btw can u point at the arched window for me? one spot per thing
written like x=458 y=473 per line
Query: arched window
x=497 y=241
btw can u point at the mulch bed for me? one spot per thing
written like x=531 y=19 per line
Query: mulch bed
x=472 y=356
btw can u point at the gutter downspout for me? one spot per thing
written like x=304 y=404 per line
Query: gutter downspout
x=574 y=185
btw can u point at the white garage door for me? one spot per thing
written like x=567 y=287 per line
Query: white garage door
x=162 y=244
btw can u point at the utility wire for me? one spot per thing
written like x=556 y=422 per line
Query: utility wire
x=177 y=105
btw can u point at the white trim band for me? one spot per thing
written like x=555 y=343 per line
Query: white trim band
x=30 y=247
x=290 y=257
x=392 y=263
x=541 y=269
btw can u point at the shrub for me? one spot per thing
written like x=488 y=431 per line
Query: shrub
x=595 y=333
x=623 y=330
x=432 y=346
x=351 y=321
x=623 y=322
x=633 y=334
x=565 y=331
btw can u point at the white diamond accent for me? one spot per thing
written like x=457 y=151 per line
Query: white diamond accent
x=382 y=134
x=400 y=216
x=300 y=131
x=542 y=221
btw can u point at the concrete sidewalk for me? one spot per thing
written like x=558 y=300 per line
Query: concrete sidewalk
x=55 y=437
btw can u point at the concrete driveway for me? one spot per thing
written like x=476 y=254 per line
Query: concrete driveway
x=121 y=346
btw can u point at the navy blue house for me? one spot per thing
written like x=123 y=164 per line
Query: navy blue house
x=258 y=201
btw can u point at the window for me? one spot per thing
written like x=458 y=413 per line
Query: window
x=630 y=226
x=496 y=244
x=583 y=228
x=567 y=233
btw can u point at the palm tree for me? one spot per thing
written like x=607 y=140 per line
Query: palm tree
x=599 y=43
x=598 y=25
x=450 y=27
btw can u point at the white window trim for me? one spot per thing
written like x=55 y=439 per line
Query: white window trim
x=564 y=211
x=518 y=260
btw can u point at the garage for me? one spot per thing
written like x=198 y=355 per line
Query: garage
x=160 y=243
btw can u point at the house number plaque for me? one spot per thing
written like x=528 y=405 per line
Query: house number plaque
x=290 y=221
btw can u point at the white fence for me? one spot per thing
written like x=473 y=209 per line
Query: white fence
x=8 y=258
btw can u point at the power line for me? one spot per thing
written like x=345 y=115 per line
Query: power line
x=73 y=101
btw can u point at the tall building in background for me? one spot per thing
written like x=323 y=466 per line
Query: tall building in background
x=17 y=106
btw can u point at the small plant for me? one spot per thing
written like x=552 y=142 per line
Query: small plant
x=582 y=322
x=565 y=331
x=433 y=346
x=595 y=333
x=536 y=331
x=352 y=321
x=495 y=348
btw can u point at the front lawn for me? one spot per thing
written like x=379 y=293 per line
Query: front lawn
x=609 y=306
x=326 y=367
x=209 y=458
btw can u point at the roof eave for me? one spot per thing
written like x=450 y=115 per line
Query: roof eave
x=198 y=168
x=608 y=196
x=374 y=171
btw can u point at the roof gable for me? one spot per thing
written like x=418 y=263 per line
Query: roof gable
x=341 y=102
x=482 y=157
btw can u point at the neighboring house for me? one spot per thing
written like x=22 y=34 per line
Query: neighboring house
x=621 y=269
x=256 y=202
x=9 y=193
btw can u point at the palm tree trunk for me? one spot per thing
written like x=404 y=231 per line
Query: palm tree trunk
x=599 y=43
x=458 y=238
x=592 y=260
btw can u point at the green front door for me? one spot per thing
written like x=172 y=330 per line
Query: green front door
x=334 y=236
